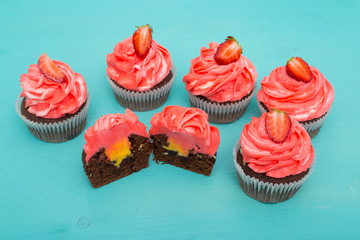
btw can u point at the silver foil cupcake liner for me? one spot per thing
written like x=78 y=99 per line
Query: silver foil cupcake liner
x=265 y=191
x=143 y=101
x=313 y=127
x=222 y=113
x=60 y=131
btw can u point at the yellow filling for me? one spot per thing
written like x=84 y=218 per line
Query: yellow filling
x=174 y=146
x=119 y=151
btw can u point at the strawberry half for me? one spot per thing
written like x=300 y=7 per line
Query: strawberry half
x=277 y=125
x=299 y=69
x=142 y=39
x=50 y=70
x=228 y=51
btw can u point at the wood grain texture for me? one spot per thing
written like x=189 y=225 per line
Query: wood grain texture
x=44 y=191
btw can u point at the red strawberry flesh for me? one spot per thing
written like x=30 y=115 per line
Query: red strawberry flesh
x=298 y=69
x=50 y=70
x=228 y=51
x=142 y=39
x=277 y=125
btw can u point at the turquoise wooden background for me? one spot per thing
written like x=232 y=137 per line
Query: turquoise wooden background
x=44 y=193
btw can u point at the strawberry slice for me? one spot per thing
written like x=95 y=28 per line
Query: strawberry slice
x=228 y=51
x=277 y=125
x=50 y=70
x=142 y=39
x=299 y=69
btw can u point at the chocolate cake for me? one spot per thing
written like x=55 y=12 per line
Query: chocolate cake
x=101 y=171
x=33 y=117
x=55 y=135
x=138 y=105
x=263 y=177
x=223 y=103
x=195 y=162
x=262 y=194
x=220 y=117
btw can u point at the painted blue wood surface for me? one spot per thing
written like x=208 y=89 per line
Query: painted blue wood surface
x=44 y=193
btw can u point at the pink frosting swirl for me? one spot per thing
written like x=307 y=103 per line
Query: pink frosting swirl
x=302 y=101
x=220 y=83
x=277 y=160
x=187 y=126
x=134 y=73
x=110 y=128
x=49 y=99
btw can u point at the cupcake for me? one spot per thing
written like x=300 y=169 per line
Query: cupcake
x=273 y=158
x=140 y=71
x=184 y=138
x=116 y=146
x=221 y=81
x=54 y=101
x=300 y=90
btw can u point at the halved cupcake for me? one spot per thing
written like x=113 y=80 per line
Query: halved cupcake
x=117 y=145
x=184 y=138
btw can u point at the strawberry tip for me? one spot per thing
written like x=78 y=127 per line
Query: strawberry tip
x=289 y=60
x=146 y=25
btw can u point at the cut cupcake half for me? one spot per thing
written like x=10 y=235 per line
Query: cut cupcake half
x=184 y=138
x=117 y=145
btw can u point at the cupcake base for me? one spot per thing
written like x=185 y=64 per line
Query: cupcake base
x=144 y=101
x=264 y=188
x=101 y=171
x=225 y=112
x=54 y=130
x=198 y=162
x=312 y=126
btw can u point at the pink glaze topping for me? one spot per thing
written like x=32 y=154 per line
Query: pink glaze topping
x=187 y=127
x=135 y=73
x=277 y=160
x=110 y=129
x=302 y=101
x=49 y=99
x=220 y=83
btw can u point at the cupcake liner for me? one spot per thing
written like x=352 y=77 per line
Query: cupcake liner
x=222 y=113
x=313 y=127
x=59 y=131
x=143 y=101
x=265 y=191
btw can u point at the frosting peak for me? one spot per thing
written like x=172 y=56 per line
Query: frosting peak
x=187 y=127
x=277 y=160
x=110 y=129
x=135 y=73
x=302 y=101
x=49 y=99
x=220 y=83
